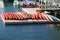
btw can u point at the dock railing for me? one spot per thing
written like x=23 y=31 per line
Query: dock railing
x=50 y=7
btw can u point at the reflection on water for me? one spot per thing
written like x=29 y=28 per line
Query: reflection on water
x=30 y=32
x=55 y=26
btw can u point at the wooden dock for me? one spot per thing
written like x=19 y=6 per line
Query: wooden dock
x=13 y=22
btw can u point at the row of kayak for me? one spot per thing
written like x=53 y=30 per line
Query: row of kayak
x=15 y=16
x=25 y=16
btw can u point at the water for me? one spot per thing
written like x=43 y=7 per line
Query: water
x=28 y=32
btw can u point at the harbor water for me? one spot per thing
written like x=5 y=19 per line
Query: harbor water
x=27 y=32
